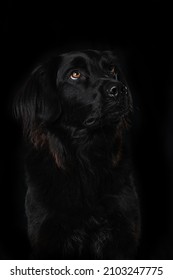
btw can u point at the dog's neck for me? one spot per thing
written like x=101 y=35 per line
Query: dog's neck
x=89 y=148
x=94 y=148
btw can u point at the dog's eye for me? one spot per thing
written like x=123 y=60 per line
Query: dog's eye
x=75 y=75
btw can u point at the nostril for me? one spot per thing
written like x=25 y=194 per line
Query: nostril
x=124 y=90
x=117 y=88
x=113 y=91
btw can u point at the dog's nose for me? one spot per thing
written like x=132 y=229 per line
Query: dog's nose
x=117 y=88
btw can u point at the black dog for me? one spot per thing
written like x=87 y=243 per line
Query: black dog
x=81 y=202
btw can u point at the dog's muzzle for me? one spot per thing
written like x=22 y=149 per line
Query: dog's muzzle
x=115 y=89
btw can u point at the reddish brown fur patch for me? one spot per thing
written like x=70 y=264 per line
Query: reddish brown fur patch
x=41 y=139
x=53 y=148
x=58 y=161
x=38 y=138
x=124 y=124
x=136 y=231
x=116 y=158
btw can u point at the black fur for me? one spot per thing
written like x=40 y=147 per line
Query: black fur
x=81 y=201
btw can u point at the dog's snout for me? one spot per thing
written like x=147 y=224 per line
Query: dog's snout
x=117 y=88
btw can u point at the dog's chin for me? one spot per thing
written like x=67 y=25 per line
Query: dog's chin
x=110 y=119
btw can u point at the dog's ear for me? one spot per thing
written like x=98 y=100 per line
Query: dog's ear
x=38 y=101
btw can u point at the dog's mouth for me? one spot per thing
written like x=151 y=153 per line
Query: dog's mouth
x=93 y=120
x=111 y=118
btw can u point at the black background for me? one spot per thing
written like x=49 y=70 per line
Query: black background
x=141 y=33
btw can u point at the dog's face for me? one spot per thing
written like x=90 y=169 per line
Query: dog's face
x=79 y=89
x=92 y=89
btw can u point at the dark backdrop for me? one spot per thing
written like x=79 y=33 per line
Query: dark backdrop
x=141 y=33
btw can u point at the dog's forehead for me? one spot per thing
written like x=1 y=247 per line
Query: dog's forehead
x=86 y=58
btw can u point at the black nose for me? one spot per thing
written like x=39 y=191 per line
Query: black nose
x=116 y=88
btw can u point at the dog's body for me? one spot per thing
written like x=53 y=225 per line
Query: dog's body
x=81 y=202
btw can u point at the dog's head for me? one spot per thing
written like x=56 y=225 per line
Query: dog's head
x=76 y=89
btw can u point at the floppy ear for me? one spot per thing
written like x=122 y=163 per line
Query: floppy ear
x=38 y=102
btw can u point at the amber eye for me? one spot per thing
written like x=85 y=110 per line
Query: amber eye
x=75 y=75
